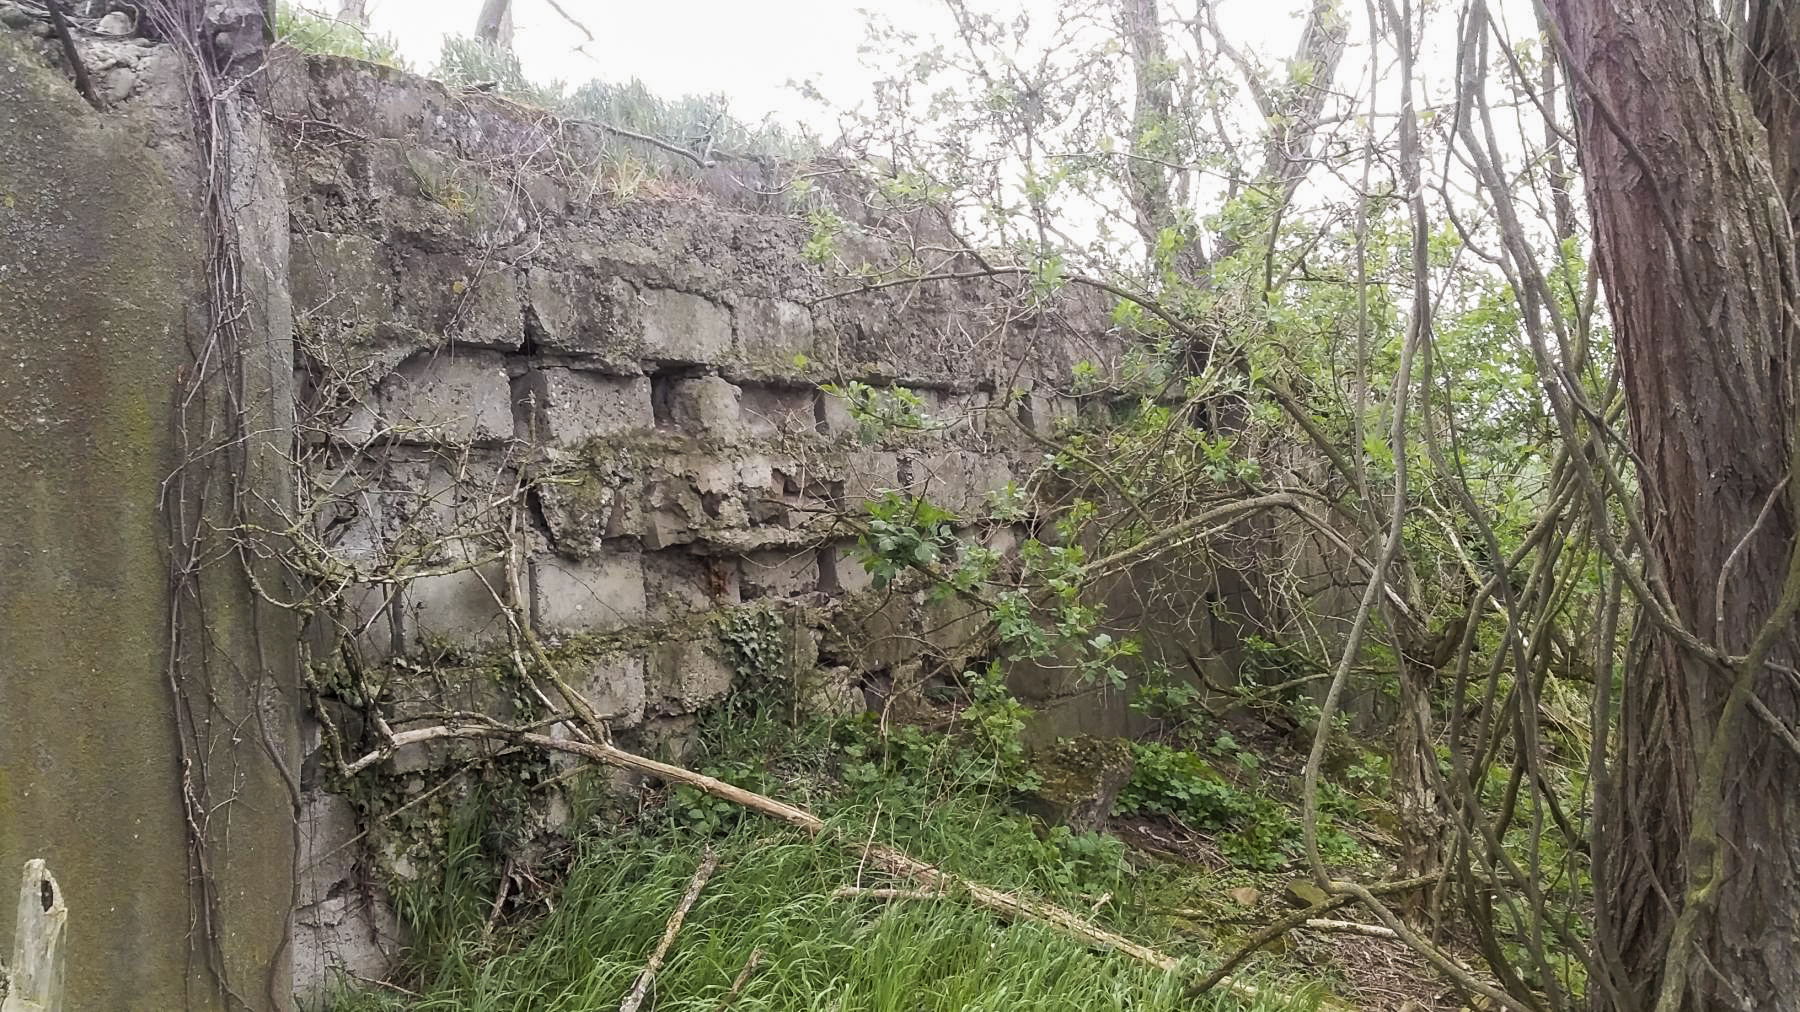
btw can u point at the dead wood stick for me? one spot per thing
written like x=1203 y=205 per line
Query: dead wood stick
x=859 y=892
x=59 y=23
x=1349 y=927
x=737 y=984
x=890 y=860
x=642 y=988
x=506 y=870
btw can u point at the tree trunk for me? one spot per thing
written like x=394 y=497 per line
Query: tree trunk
x=1698 y=878
x=494 y=25
x=1417 y=808
x=355 y=12
x=1154 y=152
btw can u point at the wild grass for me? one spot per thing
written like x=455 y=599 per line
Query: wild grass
x=773 y=892
x=311 y=32
x=702 y=124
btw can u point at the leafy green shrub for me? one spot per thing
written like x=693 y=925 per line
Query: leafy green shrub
x=904 y=531
x=1257 y=832
x=693 y=809
x=995 y=719
x=1178 y=783
x=880 y=411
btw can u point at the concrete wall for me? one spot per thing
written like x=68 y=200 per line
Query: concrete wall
x=484 y=342
x=101 y=275
x=481 y=306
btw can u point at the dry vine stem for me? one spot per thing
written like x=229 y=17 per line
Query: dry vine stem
x=888 y=859
x=641 y=989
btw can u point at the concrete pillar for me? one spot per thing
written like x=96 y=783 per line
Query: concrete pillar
x=101 y=277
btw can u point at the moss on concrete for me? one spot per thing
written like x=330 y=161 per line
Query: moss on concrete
x=101 y=277
x=1075 y=782
x=97 y=264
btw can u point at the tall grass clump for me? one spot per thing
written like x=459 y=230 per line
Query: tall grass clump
x=778 y=892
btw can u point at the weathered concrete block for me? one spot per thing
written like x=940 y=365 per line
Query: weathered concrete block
x=614 y=687
x=337 y=924
x=686 y=674
x=955 y=627
x=707 y=406
x=667 y=513
x=673 y=734
x=470 y=302
x=1078 y=781
x=599 y=594
x=580 y=510
x=341 y=277
x=869 y=474
x=434 y=201
x=679 y=327
x=570 y=313
x=834 y=693
x=959 y=416
x=877 y=631
x=568 y=408
x=733 y=472
x=959 y=480
x=780 y=411
x=1047 y=412
x=779 y=573
x=1002 y=541
x=327 y=822
x=834 y=413
x=458 y=608
x=677 y=584
x=773 y=331
x=377 y=622
x=841 y=570
x=446 y=396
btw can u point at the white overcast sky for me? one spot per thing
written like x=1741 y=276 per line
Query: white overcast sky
x=744 y=49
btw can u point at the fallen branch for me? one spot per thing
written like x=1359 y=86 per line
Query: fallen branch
x=890 y=860
x=642 y=988
x=737 y=984
x=859 y=892
x=487 y=930
x=1349 y=928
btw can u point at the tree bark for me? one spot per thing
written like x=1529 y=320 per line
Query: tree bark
x=494 y=25
x=1153 y=127
x=1688 y=151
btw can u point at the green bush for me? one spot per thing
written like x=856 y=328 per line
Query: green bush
x=1257 y=832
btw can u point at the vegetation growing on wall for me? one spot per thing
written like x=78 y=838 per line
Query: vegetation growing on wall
x=1369 y=380
x=315 y=33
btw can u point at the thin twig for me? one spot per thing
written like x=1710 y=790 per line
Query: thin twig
x=487 y=930
x=642 y=988
x=566 y=17
x=737 y=984
x=60 y=22
x=657 y=142
x=1295 y=920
